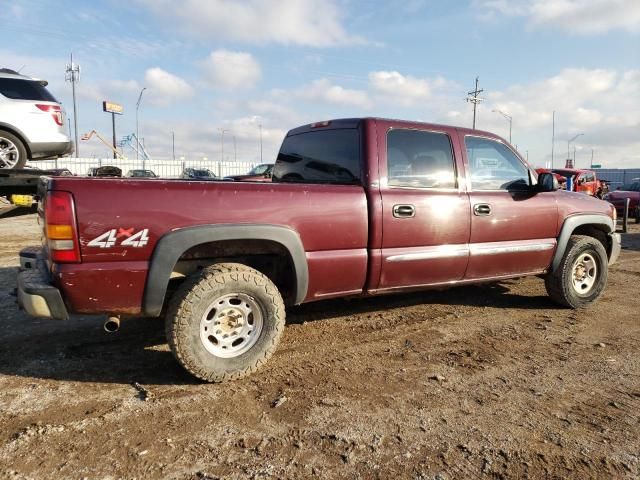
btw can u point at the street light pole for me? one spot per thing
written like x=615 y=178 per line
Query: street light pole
x=173 y=144
x=222 y=132
x=508 y=117
x=137 y=131
x=260 y=126
x=569 y=147
x=235 y=150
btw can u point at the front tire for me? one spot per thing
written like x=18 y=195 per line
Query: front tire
x=582 y=274
x=225 y=322
x=13 y=153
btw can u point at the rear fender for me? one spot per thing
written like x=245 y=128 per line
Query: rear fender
x=171 y=247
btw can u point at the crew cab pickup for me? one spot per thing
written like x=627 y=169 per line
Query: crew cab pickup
x=356 y=207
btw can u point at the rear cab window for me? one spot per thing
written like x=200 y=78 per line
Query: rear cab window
x=420 y=159
x=494 y=166
x=320 y=156
x=19 y=89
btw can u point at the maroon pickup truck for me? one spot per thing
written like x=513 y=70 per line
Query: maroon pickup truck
x=357 y=207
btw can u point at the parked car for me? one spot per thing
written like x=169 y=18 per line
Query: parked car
x=198 y=174
x=32 y=121
x=618 y=199
x=259 y=173
x=59 y=172
x=108 y=171
x=238 y=252
x=140 y=173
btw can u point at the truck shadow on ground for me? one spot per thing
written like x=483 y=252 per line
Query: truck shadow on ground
x=497 y=295
x=13 y=211
x=79 y=350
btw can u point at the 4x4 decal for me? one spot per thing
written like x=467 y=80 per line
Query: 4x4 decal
x=110 y=238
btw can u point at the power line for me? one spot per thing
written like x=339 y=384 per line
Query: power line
x=472 y=97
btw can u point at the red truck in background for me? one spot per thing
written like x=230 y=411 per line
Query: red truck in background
x=356 y=207
x=583 y=181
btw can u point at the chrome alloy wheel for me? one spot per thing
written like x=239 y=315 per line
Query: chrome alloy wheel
x=231 y=325
x=9 y=154
x=585 y=270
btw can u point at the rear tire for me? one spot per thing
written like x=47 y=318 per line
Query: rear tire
x=582 y=274
x=13 y=153
x=225 y=322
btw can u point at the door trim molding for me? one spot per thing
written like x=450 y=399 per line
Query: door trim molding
x=468 y=249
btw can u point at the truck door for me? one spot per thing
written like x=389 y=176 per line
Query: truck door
x=513 y=228
x=425 y=209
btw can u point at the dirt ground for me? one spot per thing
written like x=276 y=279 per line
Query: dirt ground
x=475 y=382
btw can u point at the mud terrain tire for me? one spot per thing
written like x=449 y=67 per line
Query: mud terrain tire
x=225 y=322
x=582 y=274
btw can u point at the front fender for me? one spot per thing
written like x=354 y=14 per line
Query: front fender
x=600 y=221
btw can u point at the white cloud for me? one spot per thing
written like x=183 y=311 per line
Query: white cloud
x=231 y=69
x=316 y=23
x=392 y=87
x=165 y=88
x=396 y=87
x=323 y=91
x=576 y=16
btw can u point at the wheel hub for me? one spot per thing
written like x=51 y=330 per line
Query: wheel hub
x=8 y=154
x=230 y=325
x=584 y=273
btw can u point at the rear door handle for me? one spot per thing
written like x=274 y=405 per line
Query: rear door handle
x=482 y=209
x=404 y=211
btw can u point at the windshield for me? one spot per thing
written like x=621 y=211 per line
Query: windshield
x=202 y=173
x=260 y=169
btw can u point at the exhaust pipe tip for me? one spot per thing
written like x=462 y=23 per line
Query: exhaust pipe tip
x=112 y=324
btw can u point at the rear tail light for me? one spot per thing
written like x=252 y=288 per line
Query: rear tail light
x=60 y=228
x=55 y=110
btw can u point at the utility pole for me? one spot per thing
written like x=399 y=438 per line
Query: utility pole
x=137 y=107
x=553 y=135
x=72 y=74
x=472 y=97
x=591 y=165
x=260 y=126
x=173 y=144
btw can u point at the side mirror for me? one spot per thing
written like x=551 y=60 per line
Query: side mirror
x=547 y=182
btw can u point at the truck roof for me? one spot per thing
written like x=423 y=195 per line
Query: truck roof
x=355 y=122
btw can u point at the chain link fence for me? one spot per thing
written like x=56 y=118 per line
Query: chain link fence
x=162 y=168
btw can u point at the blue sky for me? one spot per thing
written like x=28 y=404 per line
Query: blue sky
x=238 y=64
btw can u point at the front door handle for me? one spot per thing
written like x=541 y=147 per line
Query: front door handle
x=482 y=209
x=404 y=211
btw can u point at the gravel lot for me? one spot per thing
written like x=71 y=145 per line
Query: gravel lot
x=492 y=381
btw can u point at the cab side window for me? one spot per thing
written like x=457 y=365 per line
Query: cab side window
x=493 y=166
x=419 y=159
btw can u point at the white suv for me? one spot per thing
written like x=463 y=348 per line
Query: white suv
x=32 y=121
